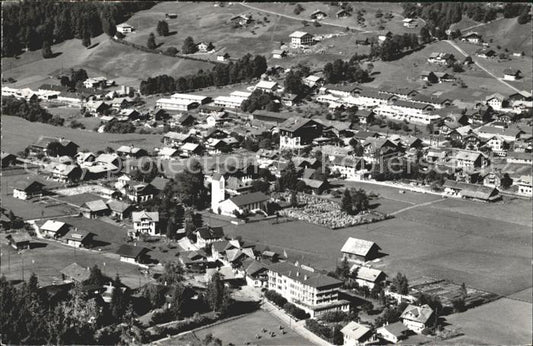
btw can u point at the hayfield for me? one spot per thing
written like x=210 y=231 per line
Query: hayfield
x=248 y=326
x=502 y=322
x=450 y=239
x=18 y=133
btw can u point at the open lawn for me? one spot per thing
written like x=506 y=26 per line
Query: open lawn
x=450 y=239
x=247 y=326
x=46 y=261
x=18 y=133
x=502 y=322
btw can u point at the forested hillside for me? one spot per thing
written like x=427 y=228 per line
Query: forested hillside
x=29 y=24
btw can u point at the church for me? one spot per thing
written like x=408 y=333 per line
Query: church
x=242 y=204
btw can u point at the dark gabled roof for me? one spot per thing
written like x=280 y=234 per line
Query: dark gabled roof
x=429 y=99
x=131 y=251
x=159 y=183
x=255 y=267
x=249 y=198
x=24 y=185
x=118 y=206
x=410 y=104
x=207 y=232
x=219 y=246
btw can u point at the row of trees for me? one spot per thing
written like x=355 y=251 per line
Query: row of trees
x=29 y=110
x=243 y=70
x=393 y=47
x=345 y=71
x=354 y=201
x=29 y=24
x=261 y=100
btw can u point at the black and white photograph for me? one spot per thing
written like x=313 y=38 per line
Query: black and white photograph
x=220 y=173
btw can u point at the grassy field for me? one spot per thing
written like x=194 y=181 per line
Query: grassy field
x=18 y=133
x=247 y=326
x=502 y=322
x=47 y=261
x=452 y=239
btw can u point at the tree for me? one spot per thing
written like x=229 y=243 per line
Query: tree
x=86 y=41
x=346 y=203
x=96 y=277
x=119 y=300
x=506 y=181
x=425 y=36
x=171 y=231
x=217 y=295
x=294 y=199
x=189 y=47
x=47 y=50
x=524 y=18
x=293 y=84
x=343 y=271
x=289 y=177
x=162 y=28
x=400 y=284
x=298 y=9
x=150 y=44
x=172 y=274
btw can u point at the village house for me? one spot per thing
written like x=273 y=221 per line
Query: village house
x=467 y=159
x=64 y=173
x=207 y=235
x=348 y=167
x=356 y=334
x=367 y=277
x=440 y=58
x=119 y=209
x=8 y=159
x=95 y=82
x=492 y=179
x=485 y=53
x=394 y=332
x=378 y=150
x=299 y=133
x=94 y=209
x=27 y=189
x=241 y=20
x=525 y=187
x=54 y=229
x=80 y=239
x=132 y=254
x=175 y=139
x=204 y=47
x=223 y=57
x=168 y=153
x=129 y=151
x=64 y=147
x=300 y=39
x=139 y=192
x=145 y=222
x=176 y=104
x=417 y=318
x=191 y=149
x=267 y=86
x=359 y=250
x=311 y=291
x=342 y=13
x=313 y=81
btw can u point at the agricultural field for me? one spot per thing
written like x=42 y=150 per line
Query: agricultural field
x=18 y=133
x=502 y=322
x=247 y=326
x=447 y=242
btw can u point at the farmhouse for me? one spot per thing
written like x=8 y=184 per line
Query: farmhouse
x=132 y=254
x=145 y=222
x=470 y=191
x=312 y=80
x=410 y=23
x=468 y=159
x=64 y=147
x=417 y=318
x=256 y=273
x=525 y=187
x=485 y=53
x=376 y=150
x=511 y=74
x=496 y=101
x=223 y=57
x=342 y=14
x=64 y=173
x=313 y=292
x=54 y=229
x=356 y=334
x=19 y=241
x=95 y=82
x=300 y=39
x=241 y=20
x=279 y=54
x=8 y=159
x=129 y=151
x=318 y=14
x=359 y=249
x=26 y=189
x=440 y=58
x=348 y=167
x=191 y=149
x=124 y=28
x=472 y=37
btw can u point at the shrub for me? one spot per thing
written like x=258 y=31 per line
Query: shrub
x=334 y=316
x=295 y=311
x=163 y=316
